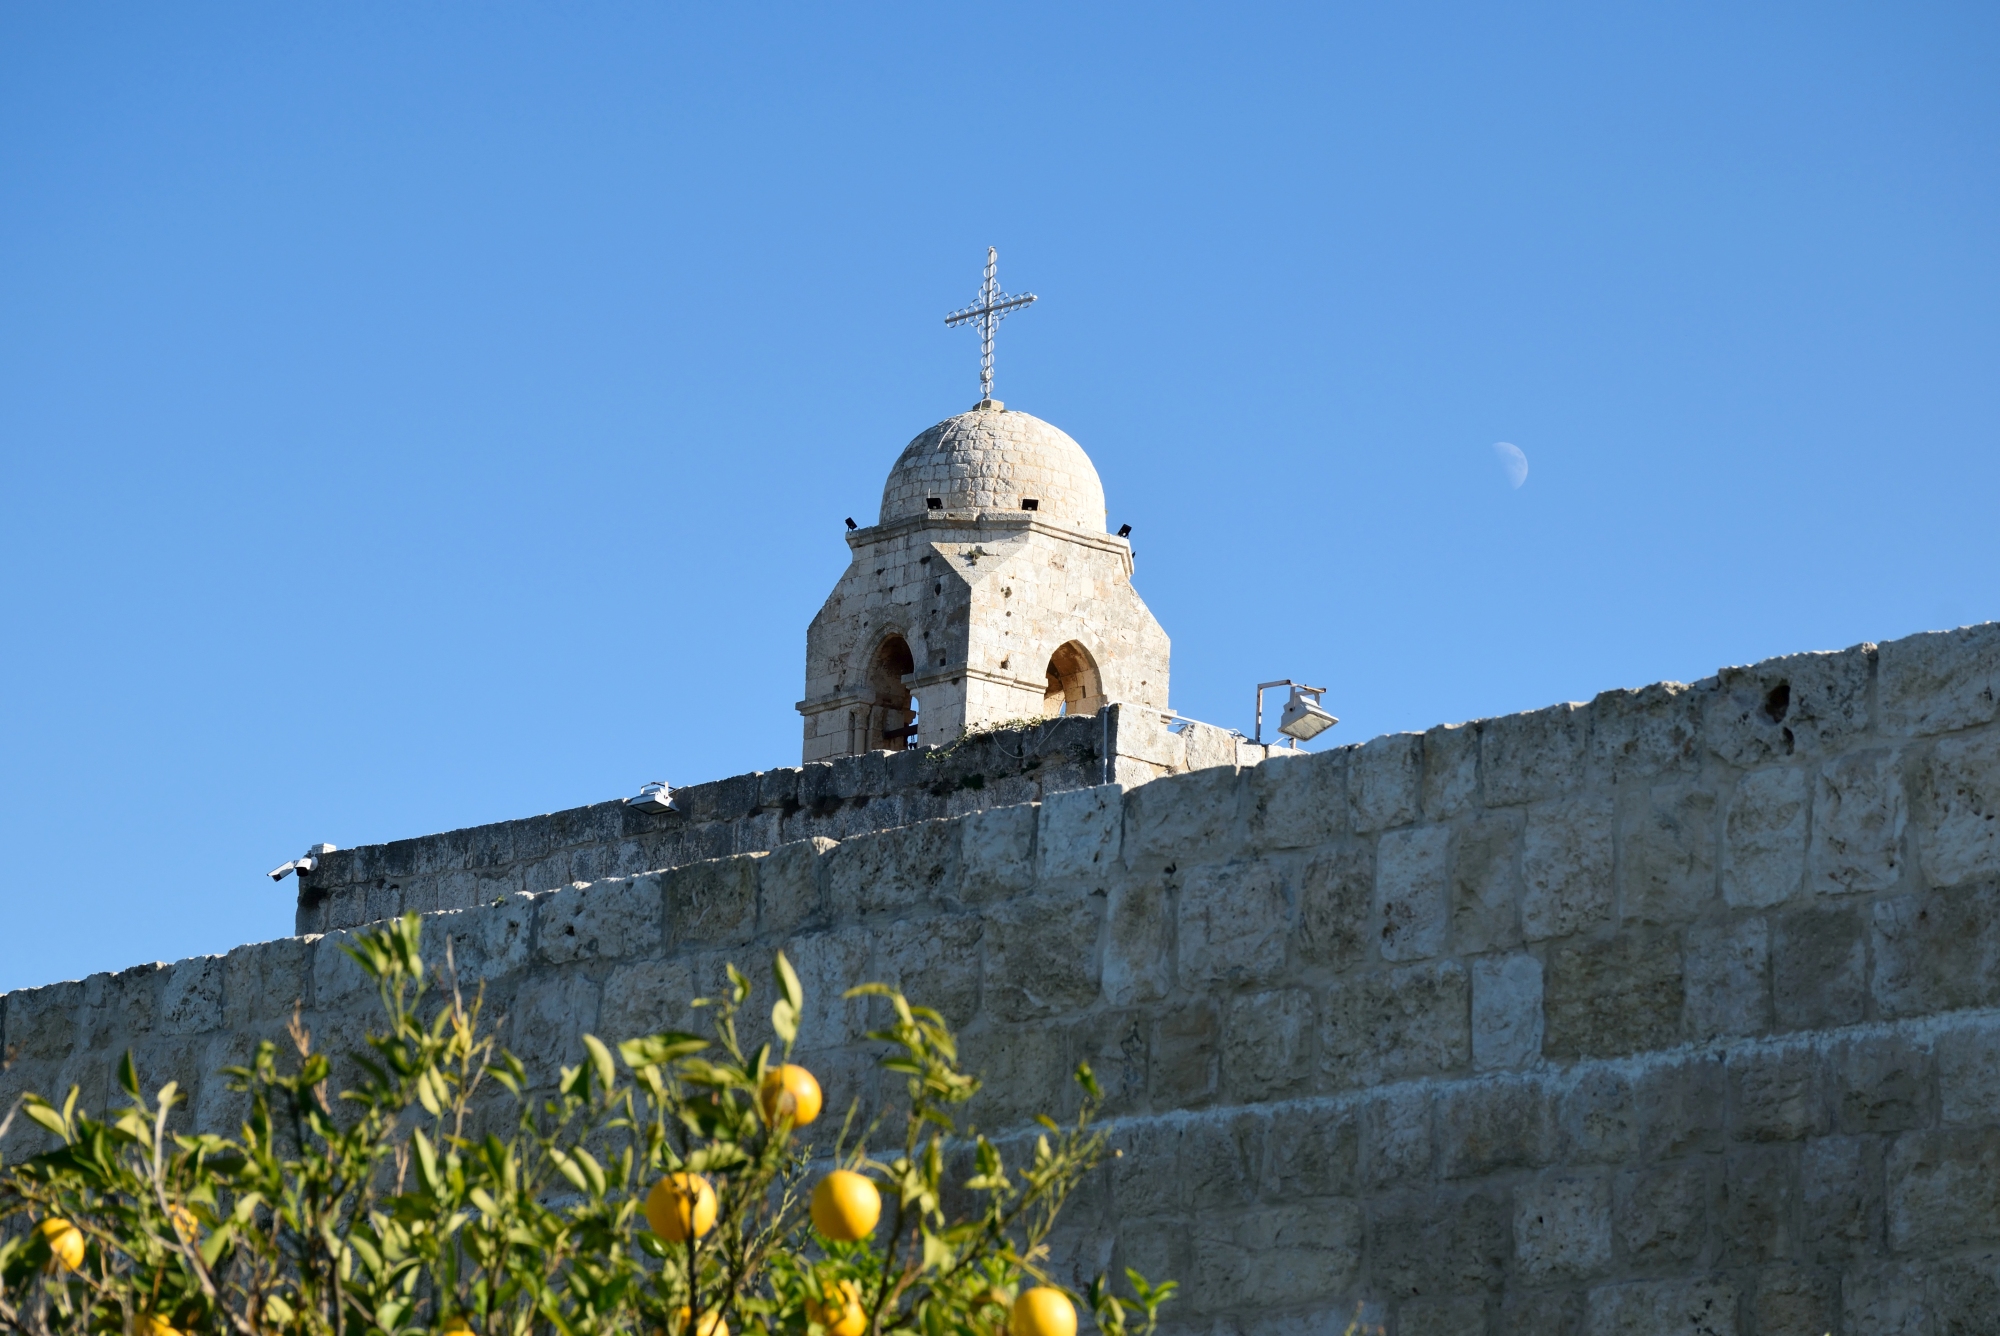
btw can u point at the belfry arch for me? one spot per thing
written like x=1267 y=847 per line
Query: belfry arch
x=1074 y=684
x=885 y=719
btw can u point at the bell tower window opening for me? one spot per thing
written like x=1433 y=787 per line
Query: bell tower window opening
x=1074 y=684
x=891 y=721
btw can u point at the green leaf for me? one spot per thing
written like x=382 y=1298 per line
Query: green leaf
x=600 y=1061
x=427 y=1164
x=128 y=1075
x=569 y=1170
x=40 y=1111
x=785 y=1020
x=656 y=1049
x=788 y=982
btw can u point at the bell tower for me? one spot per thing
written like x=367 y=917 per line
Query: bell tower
x=987 y=592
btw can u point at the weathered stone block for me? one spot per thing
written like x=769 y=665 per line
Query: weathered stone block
x=997 y=853
x=1184 y=818
x=546 y=1023
x=336 y=977
x=892 y=871
x=1887 y=1297
x=1660 y=1215
x=1599 y=1118
x=1882 y=1084
x=1215 y=1161
x=1819 y=968
x=1414 y=1021
x=1231 y=926
x=1024 y=1073
x=1528 y=757
x=1278 y=1255
x=1396 y=1143
x=1557 y=1312
x=1267 y=1045
x=1653 y=730
x=1611 y=997
x=1941 y=680
x=712 y=903
x=1728 y=979
x=1079 y=834
x=1311 y=1150
x=604 y=920
x=1451 y=771
x=1937 y=952
x=1667 y=868
x=1298 y=799
x=648 y=996
x=1385 y=782
x=1185 y=1051
x=1796 y=1298
x=1566 y=866
x=1438 y=1243
x=1113 y=1042
x=1804 y=704
x=262 y=983
x=1960 y=835
x=1858 y=819
x=1757 y=1205
x=1506 y=1011
x=828 y=964
x=789 y=886
x=1679 y=1105
x=1840 y=1198
x=1498 y=1123
x=1764 y=839
x=1486 y=883
x=1462 y=1316
x=935 y=963
x=191 y=996
x=1944 y=1189
x=487 y=943
x=1335 y=892
x=1968 y=1073
x=1778 y=1094
x=1562 y=1228
x=1138 y=941
x=1702 y=1307
x=1041 y=957
x=1965 y=1292
x=1412 y=871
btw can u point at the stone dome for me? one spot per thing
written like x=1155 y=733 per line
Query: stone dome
x=991 y=459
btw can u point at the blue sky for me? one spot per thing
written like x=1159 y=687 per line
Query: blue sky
x=415 y=416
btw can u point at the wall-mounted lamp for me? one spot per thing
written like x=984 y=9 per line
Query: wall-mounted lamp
x=309 y=863
x=851 y=525
x=1124 y=531
x=654 y=797
x=1303 y=718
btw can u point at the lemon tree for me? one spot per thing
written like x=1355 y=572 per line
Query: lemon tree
x=669 y=1185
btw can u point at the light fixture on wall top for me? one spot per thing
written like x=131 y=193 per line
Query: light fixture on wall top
x=1303 y=718
x=654 y=797
x=301 y=865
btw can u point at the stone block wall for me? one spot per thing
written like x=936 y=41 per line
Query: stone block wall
x=756 y=812
x=1674 y=1012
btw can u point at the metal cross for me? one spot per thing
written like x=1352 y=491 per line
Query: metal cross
x=992 y=307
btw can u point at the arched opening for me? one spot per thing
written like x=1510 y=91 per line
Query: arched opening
x=890 y=721
x=1074 y=684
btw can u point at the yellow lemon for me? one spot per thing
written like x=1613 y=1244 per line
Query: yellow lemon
x=680 y=1204
x=65 y=1242
x=456 y=1325
x=1043 y=1311
x=840 y=1312
x=152 y=1324
x=789 y=1089
x=184 y=1222
x=845 y=1206
x=711 y=1323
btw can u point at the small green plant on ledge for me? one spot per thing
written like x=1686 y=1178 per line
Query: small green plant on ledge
x=663 y=1188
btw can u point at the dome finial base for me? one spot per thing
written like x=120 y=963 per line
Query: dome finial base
x=989 y=406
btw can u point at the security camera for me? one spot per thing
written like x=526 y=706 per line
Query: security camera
x=283 y=870
x=308 y=863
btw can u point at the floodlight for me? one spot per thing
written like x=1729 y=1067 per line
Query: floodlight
x=654 y=797
x=1303 y=718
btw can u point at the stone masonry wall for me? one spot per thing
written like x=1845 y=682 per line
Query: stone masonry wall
x=1675 y=1012
x=756 y=813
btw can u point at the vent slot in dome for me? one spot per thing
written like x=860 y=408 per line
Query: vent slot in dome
x=1030 y=503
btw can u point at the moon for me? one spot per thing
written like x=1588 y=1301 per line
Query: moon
x=1512 y=462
